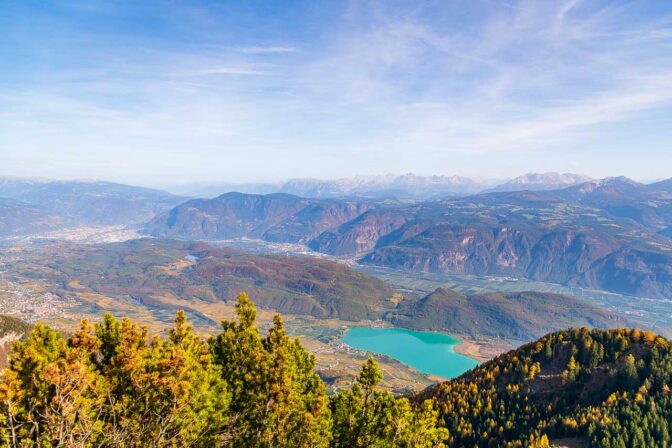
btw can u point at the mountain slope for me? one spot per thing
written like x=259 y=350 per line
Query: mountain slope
x=558 y=236
x=275 y=217
x=610 y=234
x=663 y=185
x=361 y=234
x=18 y=219
x=518 y=315
x=151 y=270
x=231 y=215
x=90 y=202
x=605 y=388
x=315 y=219
x=624 y=198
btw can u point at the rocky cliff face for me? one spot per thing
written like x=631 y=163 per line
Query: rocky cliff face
x=629 y=271
x=360 y=235
x=561 y=255
x=314 y=220
x=231 y=215
x=610 y=234
x=458 y=248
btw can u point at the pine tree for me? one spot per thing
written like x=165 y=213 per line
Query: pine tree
x=366 y=417
x=277 y=399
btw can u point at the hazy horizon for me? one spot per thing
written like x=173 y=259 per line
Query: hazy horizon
x=486 y=182
x=261 y=92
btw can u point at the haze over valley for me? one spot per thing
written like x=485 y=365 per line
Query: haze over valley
x=344 y=224
x=598 y=250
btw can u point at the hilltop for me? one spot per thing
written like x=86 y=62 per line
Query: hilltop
x=113 y=384
x=244 y=388
x=519 y=316
x=602 y=388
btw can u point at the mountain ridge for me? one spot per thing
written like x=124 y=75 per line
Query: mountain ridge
x=401 y=186
x=521 y=316
x=90 y=202
x=609 y=234
x=540 y=182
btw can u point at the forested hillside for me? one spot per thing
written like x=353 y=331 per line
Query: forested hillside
x=163 y=276
x=149 y=269
x=610 y=389
x=112 y=384
x=522 y=316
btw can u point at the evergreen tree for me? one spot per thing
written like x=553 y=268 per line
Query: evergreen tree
x=277 y=399
x=366 y=417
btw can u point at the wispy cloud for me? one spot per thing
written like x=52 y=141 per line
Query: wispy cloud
x=433 y=87
x=526 y=74
x=229 y=71
x=267 y=50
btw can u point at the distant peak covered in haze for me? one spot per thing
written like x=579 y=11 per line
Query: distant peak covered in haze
x=404 y=186
x=401 y=186
x=541 y=182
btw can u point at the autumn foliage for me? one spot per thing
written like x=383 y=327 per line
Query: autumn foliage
x=113 y=385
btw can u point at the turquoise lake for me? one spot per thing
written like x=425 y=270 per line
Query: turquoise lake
x=427 y=352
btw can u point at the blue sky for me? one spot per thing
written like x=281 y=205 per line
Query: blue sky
x=170 y=92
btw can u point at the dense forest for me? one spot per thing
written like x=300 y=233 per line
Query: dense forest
x=112 y=384
x=602 y=388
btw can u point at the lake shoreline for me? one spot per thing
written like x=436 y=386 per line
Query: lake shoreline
x=428 y=352
x=482 y=350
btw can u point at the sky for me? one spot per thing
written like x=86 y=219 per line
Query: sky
x=170 y=92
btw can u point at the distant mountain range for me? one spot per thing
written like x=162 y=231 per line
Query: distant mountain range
x=609 y=234
x=407 y=186
x=18 y=218
x=612 y=234
x=541 y=182
x=35 y=205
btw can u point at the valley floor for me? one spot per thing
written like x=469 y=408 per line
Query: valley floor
x=337 y=363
